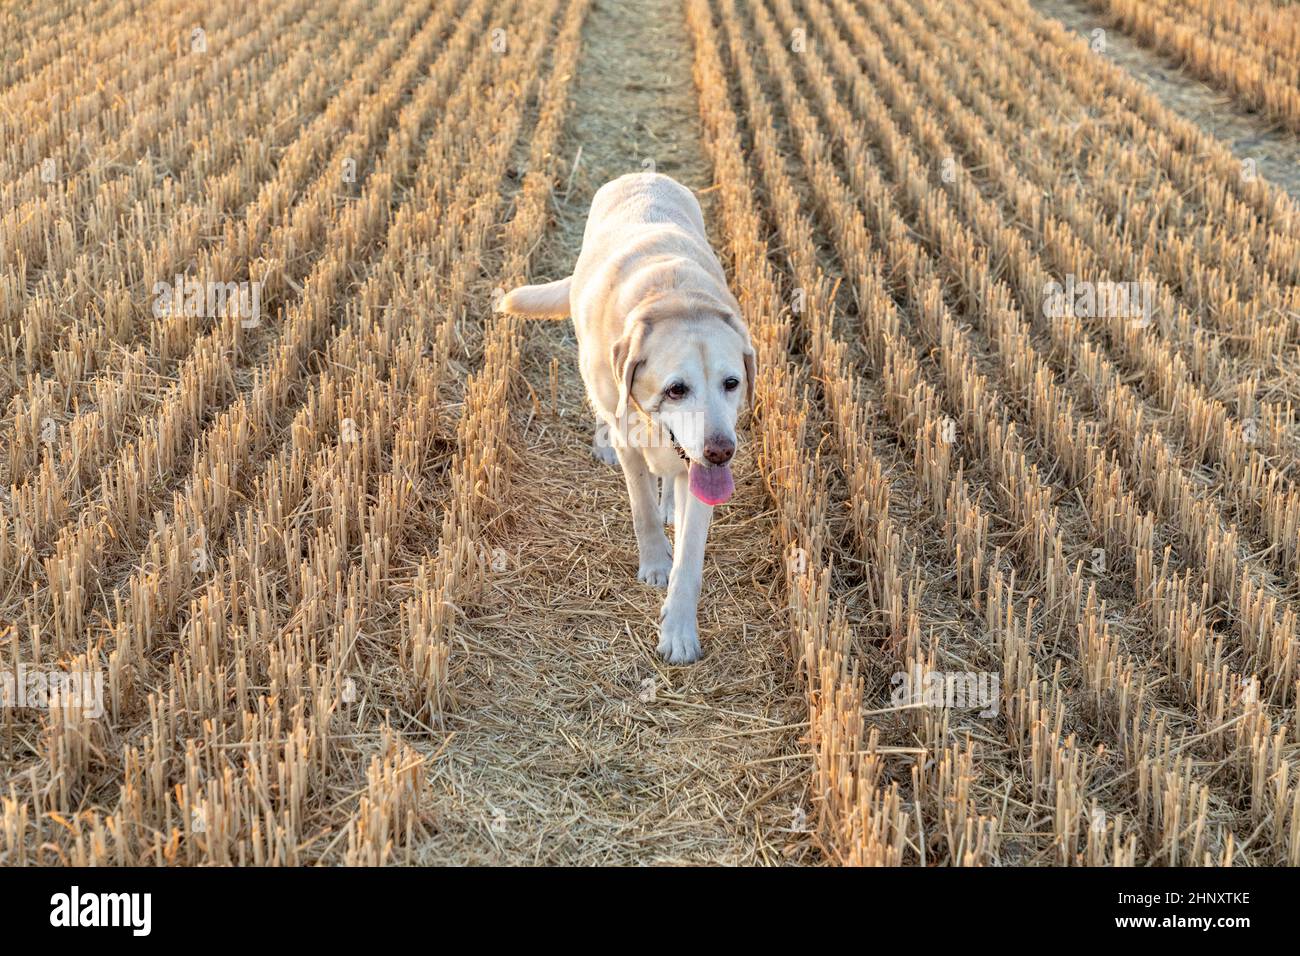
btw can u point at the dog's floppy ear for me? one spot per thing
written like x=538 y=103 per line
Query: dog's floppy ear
x=751 y=370
x=625 y=357
x=732 y=317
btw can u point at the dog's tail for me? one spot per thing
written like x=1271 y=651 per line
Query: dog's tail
x=549 y=301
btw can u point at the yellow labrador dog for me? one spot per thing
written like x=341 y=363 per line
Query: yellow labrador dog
x=667 y=361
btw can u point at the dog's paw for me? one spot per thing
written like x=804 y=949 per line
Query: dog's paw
x=679 y=638
x=656 y=572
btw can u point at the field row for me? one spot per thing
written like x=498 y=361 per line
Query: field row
x=1251 y=50
x=1083 y=498
x=221 y=513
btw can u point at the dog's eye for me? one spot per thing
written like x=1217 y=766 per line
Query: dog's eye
x=731 y=384
x=676 y=390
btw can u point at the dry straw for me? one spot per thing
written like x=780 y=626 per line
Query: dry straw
x=274 y=540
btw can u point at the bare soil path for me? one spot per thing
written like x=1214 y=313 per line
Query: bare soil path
x=572 y=742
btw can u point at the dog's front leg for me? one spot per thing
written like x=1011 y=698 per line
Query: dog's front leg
x=679 y=635
x=652 y=544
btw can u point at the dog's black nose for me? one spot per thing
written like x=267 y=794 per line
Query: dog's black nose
x=718 y=450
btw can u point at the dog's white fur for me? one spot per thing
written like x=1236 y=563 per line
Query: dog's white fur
x=652 y=310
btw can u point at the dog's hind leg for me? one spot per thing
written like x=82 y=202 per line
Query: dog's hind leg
x=652 y=544
x=667 y=507
x=679 y=635
x=602 y=444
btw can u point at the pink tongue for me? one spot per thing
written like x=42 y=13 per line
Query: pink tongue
x=712 y=485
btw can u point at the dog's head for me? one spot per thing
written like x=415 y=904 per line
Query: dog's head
x=689 y=365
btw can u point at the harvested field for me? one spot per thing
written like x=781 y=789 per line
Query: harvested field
x=1259 y=143
x=304 y=558
x=1250 y=50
